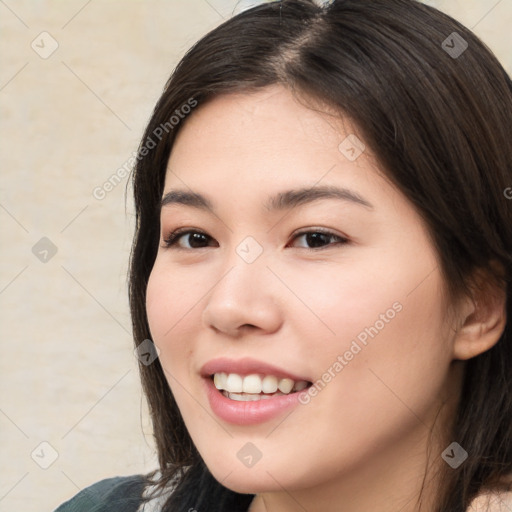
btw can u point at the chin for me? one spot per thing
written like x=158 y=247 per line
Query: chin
x=249 y=483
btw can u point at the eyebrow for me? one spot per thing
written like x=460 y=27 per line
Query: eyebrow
x=286 y=200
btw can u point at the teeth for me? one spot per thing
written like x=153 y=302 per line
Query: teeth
x=219 y=379
x=269 y=384
x=234 y=383
x=285 y=385
x=249 y=397
x=302 y=384
x=251 y=384
x=255 y=384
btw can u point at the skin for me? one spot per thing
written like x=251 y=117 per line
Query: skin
x=361 y=443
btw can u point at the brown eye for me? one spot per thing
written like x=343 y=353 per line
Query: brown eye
x=319 y=239
x=195 y=239
x=315 y=239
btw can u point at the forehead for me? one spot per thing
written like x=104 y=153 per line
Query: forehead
x=265 y=135
x=271 y=117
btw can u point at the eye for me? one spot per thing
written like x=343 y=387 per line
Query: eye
x=317 y=237
x=194 y=241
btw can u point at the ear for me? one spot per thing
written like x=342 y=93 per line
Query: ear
x=481 y=318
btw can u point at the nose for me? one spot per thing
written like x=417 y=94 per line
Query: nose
x=244 y=300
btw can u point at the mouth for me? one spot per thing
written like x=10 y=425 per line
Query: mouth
x=249 y=391
x=244 y=408
x=255 y=386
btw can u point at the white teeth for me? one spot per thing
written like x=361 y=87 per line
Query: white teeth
x=269 y=384
x=234 y=383
x=219 y=379
x=285 y=385
x=255 y=384
x=249 y=397
x=251 y=384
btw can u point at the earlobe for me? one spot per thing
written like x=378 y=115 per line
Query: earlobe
x=482 y=320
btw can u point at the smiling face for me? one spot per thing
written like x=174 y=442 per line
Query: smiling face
x=359 y=311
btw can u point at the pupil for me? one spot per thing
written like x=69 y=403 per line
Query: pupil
x=316 y=237
x=195 y=237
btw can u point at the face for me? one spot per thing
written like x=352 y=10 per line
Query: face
x=342 y=292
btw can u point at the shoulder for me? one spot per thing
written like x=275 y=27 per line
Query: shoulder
x=154 y=498
x=492 y=502
x=123 y=493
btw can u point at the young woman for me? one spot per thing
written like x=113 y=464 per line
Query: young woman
x=323 y=260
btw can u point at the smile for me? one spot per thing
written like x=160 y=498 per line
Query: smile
x=249 y=408
x=255 y=386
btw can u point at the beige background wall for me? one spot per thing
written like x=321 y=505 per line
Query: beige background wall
x=68 y=122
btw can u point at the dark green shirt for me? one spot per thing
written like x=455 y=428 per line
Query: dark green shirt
x=121 y=493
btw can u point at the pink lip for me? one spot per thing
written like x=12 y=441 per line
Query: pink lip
x=246 y=366
x=248 y=413
x=251 y=412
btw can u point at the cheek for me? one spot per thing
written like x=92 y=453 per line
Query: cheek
x=174 y=299
x=158 y=298
x=386 y=367
x=380 y=376
x=390 y=334
x=171 y=298
x=169 y=306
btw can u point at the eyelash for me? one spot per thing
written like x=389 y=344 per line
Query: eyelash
x=171 y=240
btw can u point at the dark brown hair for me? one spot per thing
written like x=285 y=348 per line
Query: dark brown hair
x=439 y=122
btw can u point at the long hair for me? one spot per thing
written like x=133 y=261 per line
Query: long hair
x=435 y=106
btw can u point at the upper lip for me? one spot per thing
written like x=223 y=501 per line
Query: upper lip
x=246 y=366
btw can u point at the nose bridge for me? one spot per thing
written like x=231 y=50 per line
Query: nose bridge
x=244 y=271
x=244 y=293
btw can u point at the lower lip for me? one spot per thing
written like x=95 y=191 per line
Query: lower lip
x=251 y=412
